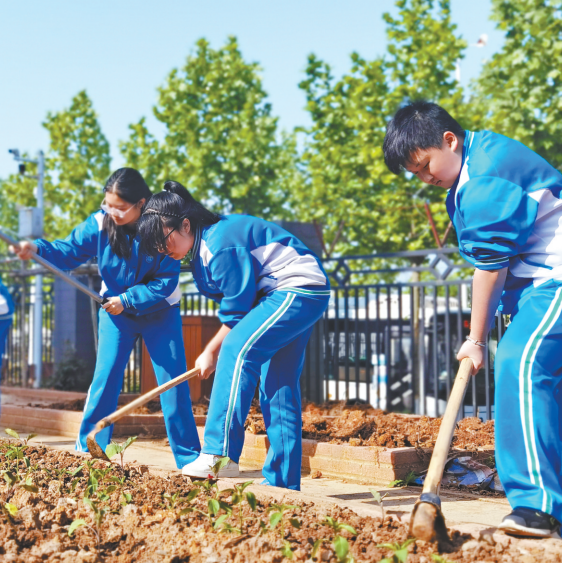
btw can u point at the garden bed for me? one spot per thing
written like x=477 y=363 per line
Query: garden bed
x=354 y=425
x=147 y=518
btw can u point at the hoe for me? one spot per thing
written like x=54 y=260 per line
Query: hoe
x=427 y=522
x=95 y=450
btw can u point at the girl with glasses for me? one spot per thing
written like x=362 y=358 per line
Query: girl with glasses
x=143 y=300
x=271 y=289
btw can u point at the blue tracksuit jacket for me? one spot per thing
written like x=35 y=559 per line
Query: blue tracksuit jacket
x=267 y=258
x=144 y=284
x=507 y=210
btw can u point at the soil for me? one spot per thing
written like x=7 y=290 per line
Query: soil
x=141 y=524
x=356 y=425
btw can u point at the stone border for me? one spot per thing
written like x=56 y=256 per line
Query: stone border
x=358 y=464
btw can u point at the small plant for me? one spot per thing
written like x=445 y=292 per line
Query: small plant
x=210 y=483
x=172 y=500
x=16 y=435
x=276 y=517
x=400 y=551
x=339 y=543
x=439 y=559
x=115 y=448
x=127 y=498
x=238 y=497
x=10 y=510
x=410 y=479
x=378 y=498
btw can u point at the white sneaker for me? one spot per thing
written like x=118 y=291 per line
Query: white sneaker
x=202 y=467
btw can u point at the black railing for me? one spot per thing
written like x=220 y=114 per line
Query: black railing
x=387 y=342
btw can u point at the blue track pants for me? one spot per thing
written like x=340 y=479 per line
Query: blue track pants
x=267 y=344
x=162 y=334
x=528 y=369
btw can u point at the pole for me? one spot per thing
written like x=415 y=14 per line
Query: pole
x=38 y=306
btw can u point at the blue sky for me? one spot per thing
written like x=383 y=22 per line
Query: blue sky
x=120 y=51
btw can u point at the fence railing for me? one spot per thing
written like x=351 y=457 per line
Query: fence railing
x=390 y=344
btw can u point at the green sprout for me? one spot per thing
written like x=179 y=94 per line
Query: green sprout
x=400 y=551
x=238 y=497
x=408 y=480
x=115 y=448
x=16 y=435
x=339 y=543
x=378 y=498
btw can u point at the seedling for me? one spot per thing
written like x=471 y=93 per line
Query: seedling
x=339 y=543
x=172 y=500
x=410 y=479
x=238 y=497
x=378 y=498
x=400 y=551
x=439 y=559
x=276 y=518
x=10 y=510
x=16 y=435
x=115 y=448
x=210 y=483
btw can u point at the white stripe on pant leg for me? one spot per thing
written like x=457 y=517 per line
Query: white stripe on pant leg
x=526 y=396
x=240 y=360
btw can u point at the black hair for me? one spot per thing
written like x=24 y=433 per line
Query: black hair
x=418 y=126
x=129 y=185
x=168 y=209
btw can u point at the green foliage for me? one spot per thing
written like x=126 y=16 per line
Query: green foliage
x=76 y=168
x=519 y=90
x=16 y=435
x=221 y=138
x=340 y=544
x=410 y=478
x=115 y=448
x=439 y=559
x=278 y=510
x=77 y=523
x=379 y=499
x=400 y=551
x=238 y=497
x=348 y=188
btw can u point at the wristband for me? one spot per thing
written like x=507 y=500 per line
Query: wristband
x=475 y=342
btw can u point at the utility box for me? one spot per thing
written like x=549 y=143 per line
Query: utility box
x=30 y=223
x=73 y=330
x=197 y=331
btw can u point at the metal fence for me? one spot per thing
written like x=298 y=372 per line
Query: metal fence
x=384 y=340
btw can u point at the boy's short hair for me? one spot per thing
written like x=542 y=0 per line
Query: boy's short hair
x=419 y=125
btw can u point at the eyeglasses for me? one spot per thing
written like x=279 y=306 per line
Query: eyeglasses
x=114 y=211
x=165 y=249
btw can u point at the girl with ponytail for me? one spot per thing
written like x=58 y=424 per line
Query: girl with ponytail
x=143 y=300
x=271 y=289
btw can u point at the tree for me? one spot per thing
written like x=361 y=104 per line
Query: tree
x=221 y=138
x=76 y=168
x=348 y=186
x=520 y=89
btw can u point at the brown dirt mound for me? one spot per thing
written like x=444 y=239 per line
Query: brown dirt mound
x=356 y=425
x=143 y=522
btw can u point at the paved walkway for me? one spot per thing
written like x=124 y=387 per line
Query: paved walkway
x=466 y=511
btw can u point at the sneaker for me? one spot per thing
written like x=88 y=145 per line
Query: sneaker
x=202 y=467
x=528 y=522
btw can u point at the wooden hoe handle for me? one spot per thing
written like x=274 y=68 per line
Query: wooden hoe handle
x=145 y=398
x=443 y=443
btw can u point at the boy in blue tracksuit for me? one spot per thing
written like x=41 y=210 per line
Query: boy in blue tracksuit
x=6 y=316
x=271 y=291
x=505 y=203
x=143 y=293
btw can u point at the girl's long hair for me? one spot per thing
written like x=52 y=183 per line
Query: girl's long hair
x=168 y=209
x=129 y=185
